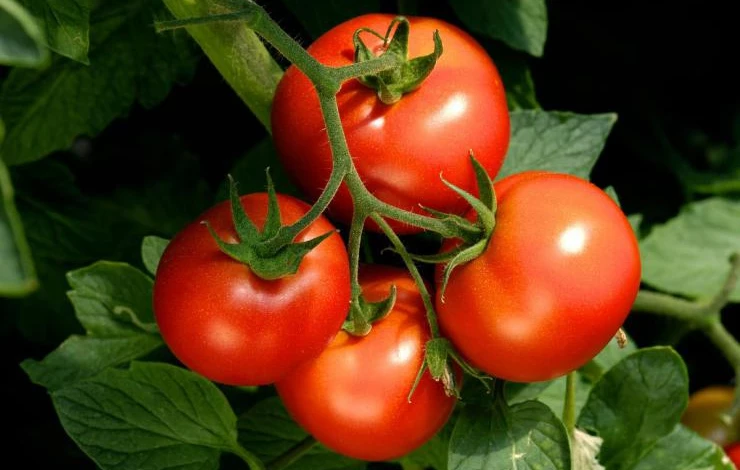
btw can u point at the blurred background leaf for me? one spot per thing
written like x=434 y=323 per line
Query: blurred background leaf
x=21 y=39
x=522 y=24
x=689 y=254
x=46 y=110
x=66 y=25
x=17 y=273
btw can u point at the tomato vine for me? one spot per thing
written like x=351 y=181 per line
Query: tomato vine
x=327 y=81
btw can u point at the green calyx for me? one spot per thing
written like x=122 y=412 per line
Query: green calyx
x=392 y=84
x=439 y=356
x=250 y=250
x=363 y=314
x=475 y=235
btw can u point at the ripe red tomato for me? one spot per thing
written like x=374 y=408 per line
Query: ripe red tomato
x=554 y=285
x=399 y=150
x=233 y=327
x=704 y=414
x=353 y=397
x=733 y=452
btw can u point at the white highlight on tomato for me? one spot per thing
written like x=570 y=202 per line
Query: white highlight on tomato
x=573 y=239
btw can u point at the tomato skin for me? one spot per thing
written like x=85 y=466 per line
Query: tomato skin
x=733 y=452
x=229 y=325
x=554 y=285
x=353 y=397
x=704 y=414
x=399 y=150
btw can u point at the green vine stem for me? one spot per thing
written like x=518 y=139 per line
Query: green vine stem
x=569 y=407
x=252 y=461
x=327 y=81
x=354 y=247
x=701 y=315
x=238 y=53
x=414 y=271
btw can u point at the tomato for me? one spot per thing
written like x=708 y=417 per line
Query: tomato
x=554 y=285
x=399 y=150
x=705 y=411
x=354 y=397
x=233 y=327
x=733 y=452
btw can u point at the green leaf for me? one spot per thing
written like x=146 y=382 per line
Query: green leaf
x=321 y=15
x=152 y=248
x=551 y=393
x=80 y=357
x=46 y=110
x=433 y=454
x=68 y=229
x=689 y=254
x=21 y=39
x=556 y=141
x=181 y=195
x=525 y=435
x=237 y=52
x=636 y=222
x=268 y=430
x=17 y=273
x=522 y=24
x=112 y=301
x=520 y=93
x=635 y=404
x=150 y=417
x=64 y=225
x=683 y=450
x=66 y=24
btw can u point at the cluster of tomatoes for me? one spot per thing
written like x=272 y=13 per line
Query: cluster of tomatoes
x=553 y=285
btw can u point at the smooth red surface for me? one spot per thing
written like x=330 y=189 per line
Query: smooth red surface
x=556 y=282
x=733 y=452
x=399 y=150
x=353 y=397
x=232 y=327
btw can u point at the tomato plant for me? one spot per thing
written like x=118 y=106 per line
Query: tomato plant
x=231 y=326
x=707 y=414
x=554 y=285
x=382 y=107
x=400 y=149
x=354 y=398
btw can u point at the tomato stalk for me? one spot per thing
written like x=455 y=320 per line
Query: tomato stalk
x=437 y=356
x=327 y=82
x=357 y=322
x=252 y=461
x=414 y=271
x=702 y=315
x=569 y=407
x=394 y=75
